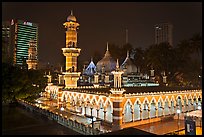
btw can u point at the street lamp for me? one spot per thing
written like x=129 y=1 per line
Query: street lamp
x=178 y=112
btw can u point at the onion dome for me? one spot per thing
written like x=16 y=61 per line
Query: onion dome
x=71 y=17
x=107 y=63
x=128 y=65
x=91 y=69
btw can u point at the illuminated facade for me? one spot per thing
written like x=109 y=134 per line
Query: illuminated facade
x=32 y=55
x=119 y=107
x=19 y=33
x=71 y=52
x=164 y=33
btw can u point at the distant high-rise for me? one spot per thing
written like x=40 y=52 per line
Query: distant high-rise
x=16 y=37
x=6 y=42
x=32 y=55
x=163 y=33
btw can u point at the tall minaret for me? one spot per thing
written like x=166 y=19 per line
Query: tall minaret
x=71 y=52
x=32 y=55
x=117 y=98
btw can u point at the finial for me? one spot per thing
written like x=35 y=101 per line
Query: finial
x=91 y=59
x=117 y=65
x=71 y=12
x=107 y=46
x=49 y=72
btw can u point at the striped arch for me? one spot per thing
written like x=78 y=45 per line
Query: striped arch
x=195 y=96
x=64 y=95
x=190 y=97
x=82 y=97
x=137 y=100
x=179 y=96
x=93 y=100
x=127 y=101
x=167 y=100
x=145 y=100
x=161 y=100
x=173 y=99
x=106 y=104
x=101 y=101
x=200 y=96
x=86 y=99
x=185 y=97
x=182 y=101
x=76 y=96
x=153 y=99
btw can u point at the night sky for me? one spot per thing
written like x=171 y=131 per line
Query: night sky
x=102 y=22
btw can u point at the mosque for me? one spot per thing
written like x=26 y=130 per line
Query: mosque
x=100 y=74
x=119 y=95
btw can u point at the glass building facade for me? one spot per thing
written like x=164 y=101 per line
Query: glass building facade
x=24 y=32
x=17 y=35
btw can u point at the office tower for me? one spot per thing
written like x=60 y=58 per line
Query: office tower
x=163 y=33
x=16 y=36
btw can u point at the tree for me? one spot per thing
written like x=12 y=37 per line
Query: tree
x=21 y=84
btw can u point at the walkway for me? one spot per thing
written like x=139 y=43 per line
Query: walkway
x=52 y=106
x=161 y=128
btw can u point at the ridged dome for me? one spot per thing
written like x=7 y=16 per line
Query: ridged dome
x=128 y=65
x=71 y=17
x=107 y=62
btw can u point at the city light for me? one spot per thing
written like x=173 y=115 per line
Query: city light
x=178 y=111
x=62 y=109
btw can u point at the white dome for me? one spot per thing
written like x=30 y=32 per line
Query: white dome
x=128 y=65
x=107 y=62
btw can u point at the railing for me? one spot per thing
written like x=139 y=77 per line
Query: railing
x=69 y=123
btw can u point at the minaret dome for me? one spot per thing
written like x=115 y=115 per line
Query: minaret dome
x=71 y=17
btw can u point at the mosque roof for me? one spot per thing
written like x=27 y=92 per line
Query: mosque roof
x=91 y=68
x=128 y=64
x=107 y=62
x=132 y=89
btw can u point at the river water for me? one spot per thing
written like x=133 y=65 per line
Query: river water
x=18 y=121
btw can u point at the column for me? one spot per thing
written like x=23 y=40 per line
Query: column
x=141 y=118
x=97 y=112
x=104 y=115
x=156 y=110
x=59 y=100
x=169 y=105
x=163 y=104
x=85 y=110
x=132 y=114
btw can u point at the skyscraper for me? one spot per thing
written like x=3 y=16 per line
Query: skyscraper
x=163 y=33
x=17 y=35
